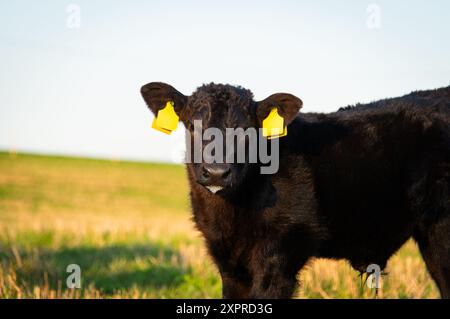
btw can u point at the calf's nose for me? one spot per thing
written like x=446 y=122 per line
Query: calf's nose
x=215 y=174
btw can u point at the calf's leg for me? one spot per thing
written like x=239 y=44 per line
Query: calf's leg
x=275 y=273
x=433 y=232
x=434 y=244
x=234 y=288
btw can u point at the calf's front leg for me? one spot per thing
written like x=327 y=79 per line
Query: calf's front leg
x=275 y=273
x=234 y=288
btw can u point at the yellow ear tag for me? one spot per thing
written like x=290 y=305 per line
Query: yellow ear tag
x=273 y=125
x=166 y=120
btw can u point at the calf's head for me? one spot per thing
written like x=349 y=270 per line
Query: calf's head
x=218 y=112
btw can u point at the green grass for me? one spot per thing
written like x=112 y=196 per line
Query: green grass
x=127 y=225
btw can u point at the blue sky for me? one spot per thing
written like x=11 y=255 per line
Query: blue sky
x=76 y=91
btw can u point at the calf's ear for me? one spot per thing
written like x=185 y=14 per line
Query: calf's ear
x=157 y=94
x=287 y=106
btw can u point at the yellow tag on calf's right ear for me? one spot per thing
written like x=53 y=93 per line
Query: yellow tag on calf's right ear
x=156 y=127
x=273 y=125
x=166 y=120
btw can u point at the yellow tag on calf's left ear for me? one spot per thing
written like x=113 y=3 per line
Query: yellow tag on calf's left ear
x=166 y=120
x=277 y=136
x=273 y=125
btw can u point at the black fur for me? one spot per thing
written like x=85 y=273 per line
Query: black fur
x=354 y=184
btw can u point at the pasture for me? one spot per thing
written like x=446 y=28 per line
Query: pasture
x=127 y=225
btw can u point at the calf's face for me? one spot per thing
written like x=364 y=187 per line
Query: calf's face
x=227 y=116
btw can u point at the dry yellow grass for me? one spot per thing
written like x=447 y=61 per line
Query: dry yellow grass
x=128 y=227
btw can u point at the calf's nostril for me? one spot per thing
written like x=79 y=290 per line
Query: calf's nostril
x=205 y=173
x=215 y=174
x=226 y=173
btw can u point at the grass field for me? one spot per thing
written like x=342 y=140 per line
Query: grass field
x=127 y=225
